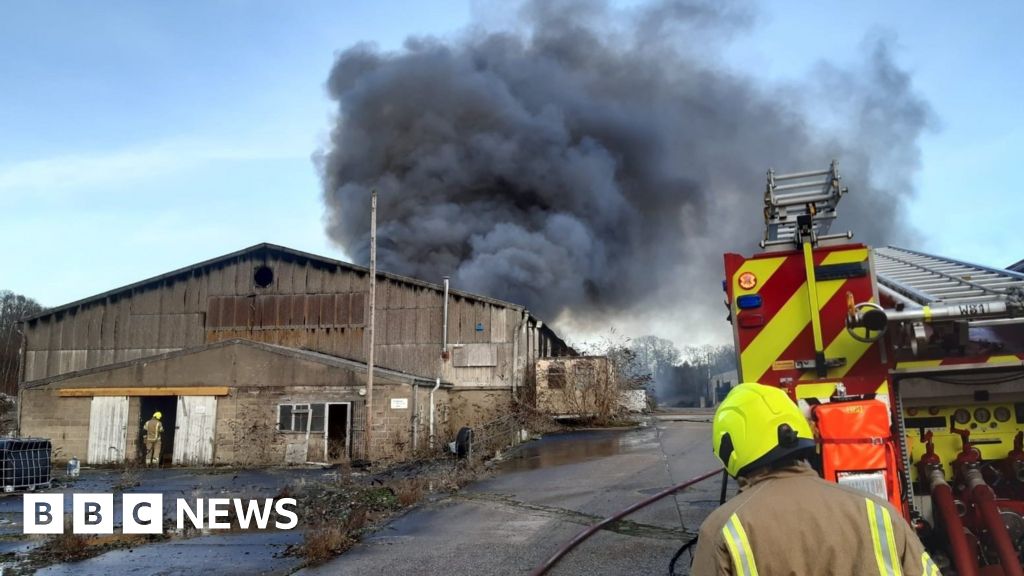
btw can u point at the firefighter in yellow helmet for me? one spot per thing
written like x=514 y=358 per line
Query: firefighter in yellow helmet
x=786 y=519
x=153 y=432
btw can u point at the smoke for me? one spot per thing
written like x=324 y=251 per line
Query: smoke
x=594 y=163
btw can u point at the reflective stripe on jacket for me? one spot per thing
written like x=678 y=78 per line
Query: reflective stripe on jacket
x=790 y=521
x=154 y=430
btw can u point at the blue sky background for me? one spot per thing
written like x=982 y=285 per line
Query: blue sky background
x=138 y=137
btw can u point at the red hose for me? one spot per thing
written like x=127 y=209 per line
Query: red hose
x=985 y=500
x=550 y=562
x=942 y=496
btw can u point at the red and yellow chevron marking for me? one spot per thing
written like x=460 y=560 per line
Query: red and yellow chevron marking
x=767 y=353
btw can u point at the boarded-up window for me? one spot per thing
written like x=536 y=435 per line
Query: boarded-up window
x=585 y=374
x=284 y=417
x=470 y=355
x=556 y=376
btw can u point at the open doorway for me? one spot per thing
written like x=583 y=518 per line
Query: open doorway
x=337 y=432
x=167 y=406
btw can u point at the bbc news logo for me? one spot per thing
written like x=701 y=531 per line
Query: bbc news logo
x=143 y=513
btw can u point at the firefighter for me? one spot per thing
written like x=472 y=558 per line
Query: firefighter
x=786 y=519
x=153 y=432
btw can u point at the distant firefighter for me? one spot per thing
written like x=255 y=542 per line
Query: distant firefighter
x=152 y=433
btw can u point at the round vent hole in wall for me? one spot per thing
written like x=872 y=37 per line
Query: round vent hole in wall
x=263 y=276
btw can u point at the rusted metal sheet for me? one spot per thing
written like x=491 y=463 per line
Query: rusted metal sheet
x=327 y=310
x=194 y=429
x=108 y=429
x=341 y=308
x=213 y=312
x=358 y=308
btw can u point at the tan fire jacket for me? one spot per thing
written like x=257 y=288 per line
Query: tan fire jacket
x=791 y=522
x=154 y=430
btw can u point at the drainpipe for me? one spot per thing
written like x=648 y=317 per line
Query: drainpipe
x=515 y=355
x=414 y=418
x=437 y=384
x=540 y=339
x=444 y=337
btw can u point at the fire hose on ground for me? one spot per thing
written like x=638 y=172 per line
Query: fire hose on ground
x=561 y=552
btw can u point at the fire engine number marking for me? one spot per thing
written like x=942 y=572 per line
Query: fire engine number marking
x=974 y=309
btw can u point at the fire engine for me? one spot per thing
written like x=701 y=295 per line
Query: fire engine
x=910 y=366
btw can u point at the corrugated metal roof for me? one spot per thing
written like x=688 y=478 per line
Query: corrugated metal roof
x=271 y=248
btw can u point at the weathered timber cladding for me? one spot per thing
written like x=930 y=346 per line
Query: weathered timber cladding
x=310 y=303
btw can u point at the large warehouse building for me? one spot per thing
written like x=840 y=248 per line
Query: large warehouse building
x=259 y=357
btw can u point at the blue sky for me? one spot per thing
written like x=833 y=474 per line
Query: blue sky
x=138 y=137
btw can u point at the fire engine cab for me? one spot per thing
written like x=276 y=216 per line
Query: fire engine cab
x=910 y=366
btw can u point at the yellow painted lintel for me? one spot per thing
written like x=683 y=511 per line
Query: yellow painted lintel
x=145 y=391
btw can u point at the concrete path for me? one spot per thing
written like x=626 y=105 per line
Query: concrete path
x=545 y=494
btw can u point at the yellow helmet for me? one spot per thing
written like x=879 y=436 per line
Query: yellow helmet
x=158 y=415
x=756 y=425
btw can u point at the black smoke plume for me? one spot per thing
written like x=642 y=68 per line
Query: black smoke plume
x=594 y=163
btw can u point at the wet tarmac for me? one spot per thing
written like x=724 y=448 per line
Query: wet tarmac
x=238 y=553
x=561 y=449
x=543 y=495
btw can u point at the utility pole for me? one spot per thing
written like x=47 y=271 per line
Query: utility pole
x=373 y=313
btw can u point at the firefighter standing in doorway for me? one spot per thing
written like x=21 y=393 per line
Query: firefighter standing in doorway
x=152 y=432
x=786 y=519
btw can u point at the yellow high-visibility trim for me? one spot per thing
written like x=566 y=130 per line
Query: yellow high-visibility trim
x=846 y=256
x=739 y=547
x=929 y=566
x=890 y=537
x=815 y=390
x=812 y=296
x=918 y=364
x=927 y=313
x=883 y=540
x=1003 y=359
x=884 y=388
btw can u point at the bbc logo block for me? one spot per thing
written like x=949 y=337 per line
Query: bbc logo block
x=43 y=514
x=144 y=513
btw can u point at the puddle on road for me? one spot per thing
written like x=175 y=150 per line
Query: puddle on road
x=573 y=447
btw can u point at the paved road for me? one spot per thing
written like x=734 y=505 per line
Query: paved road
x=542 y=497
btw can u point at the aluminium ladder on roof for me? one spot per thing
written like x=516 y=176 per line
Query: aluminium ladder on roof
x=789 y=196
x=921 y=280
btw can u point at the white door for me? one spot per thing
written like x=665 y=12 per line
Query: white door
x=193 y=430
x=108 y=429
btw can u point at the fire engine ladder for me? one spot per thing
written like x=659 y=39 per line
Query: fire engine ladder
x=798 y=210
x=929 y=288
x=802 y=198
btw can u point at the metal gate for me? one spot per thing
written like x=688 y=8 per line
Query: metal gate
x=108 y=429
x=194 y=429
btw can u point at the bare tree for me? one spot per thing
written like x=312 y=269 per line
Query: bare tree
x=13 y=307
